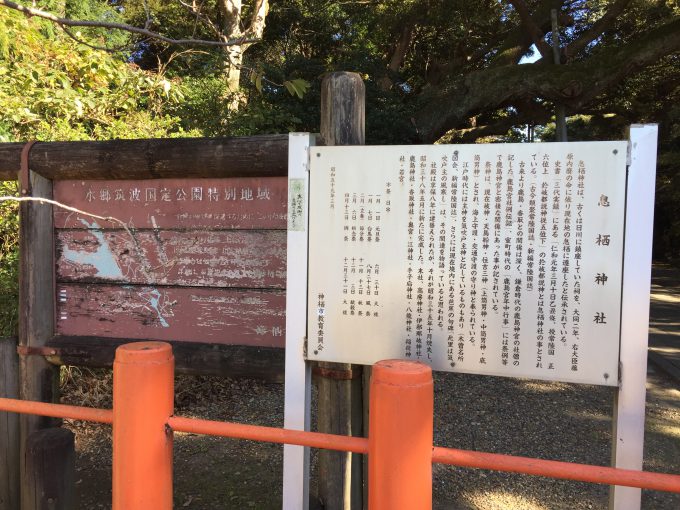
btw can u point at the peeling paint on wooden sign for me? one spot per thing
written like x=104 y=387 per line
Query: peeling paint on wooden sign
x=248 y=259
x=202 y=260
x=220 y=316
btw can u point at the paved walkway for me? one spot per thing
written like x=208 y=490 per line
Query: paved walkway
x=664 y=320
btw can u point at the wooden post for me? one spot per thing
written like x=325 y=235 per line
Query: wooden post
x=50 y=470
x=340 y=407
x=38 y=379
x=9 y=426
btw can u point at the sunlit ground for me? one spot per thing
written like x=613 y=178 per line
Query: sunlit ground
x=502 y=500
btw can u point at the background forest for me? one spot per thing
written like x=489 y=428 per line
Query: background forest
x=454 y=71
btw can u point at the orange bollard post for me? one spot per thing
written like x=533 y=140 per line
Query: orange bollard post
x=143 y=400
x=400 y=436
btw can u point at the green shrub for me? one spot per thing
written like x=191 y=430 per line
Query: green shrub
x=9 y=261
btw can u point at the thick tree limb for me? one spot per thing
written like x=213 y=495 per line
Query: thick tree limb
x=575 y=85
x=231 y=17
x=529 y=114
x=597 y=29
x=470 y=135
x=397 y=55
x=30 y=11
x=257 y=19
x=518 y=41
x=531 y=27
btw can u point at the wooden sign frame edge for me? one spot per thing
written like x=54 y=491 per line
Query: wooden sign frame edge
x=154 y=158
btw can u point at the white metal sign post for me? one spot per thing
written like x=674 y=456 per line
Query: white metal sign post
x=503 y=259
x=629 y=408
x=298 y=373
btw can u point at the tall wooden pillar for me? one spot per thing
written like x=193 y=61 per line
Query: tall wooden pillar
x=340 y=408
x=9 y=426
x=38 y=379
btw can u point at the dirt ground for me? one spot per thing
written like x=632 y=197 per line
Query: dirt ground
x=548 y=420
x=538 y=419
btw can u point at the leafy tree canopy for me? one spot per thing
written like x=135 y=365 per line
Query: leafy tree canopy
x=52 y=88
x=455 y=67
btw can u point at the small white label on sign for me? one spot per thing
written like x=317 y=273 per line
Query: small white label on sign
x=297 y=203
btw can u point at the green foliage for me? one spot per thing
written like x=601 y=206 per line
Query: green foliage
x=54 y=88
x=206 y=108
x=297 y=87
x=9 y=261
x=96 y=10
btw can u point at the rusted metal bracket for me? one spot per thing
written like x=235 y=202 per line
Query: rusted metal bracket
x=24 y=177
x=340 y=375
x=24 y=350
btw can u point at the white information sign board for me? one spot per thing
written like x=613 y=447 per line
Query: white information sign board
x=487 y=259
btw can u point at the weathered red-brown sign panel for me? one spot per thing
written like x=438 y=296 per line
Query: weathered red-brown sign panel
x=249 y=203
x=223 y=316
x=216 y=258
x=200 y=261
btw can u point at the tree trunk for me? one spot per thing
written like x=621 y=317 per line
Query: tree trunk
x=232 y=76
x=232 y=28
x=233 y=70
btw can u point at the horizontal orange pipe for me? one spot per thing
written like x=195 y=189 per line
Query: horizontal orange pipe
x=462 y=458
x=269 y=434
x=556 y=469
x=56 y=410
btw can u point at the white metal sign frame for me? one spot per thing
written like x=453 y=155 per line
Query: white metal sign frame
x=630 y=399
x=298 y=372
x=629 y=405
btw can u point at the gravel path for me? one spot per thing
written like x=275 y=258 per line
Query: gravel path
x=547 y=420
x=520 y=417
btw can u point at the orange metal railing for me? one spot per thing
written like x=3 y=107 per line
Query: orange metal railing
x=399 y=447
x=556 y=469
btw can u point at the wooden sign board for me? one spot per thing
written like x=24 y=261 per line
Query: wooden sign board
x=487 y=259
x=200 y=260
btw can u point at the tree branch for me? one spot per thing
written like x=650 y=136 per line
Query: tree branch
x=47 y=201
x=399 y=50
x=576 y=85
x=517 y=42
x=199 y=16
x=257 y=19
x=90 y=45
x=147 y=23
x=30 y=11
x=529 y=113
x=597 y=29
x=531 y=27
